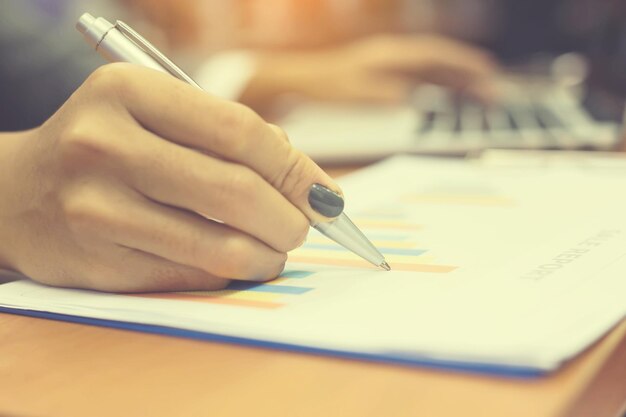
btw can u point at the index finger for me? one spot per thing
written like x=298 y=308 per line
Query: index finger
x=190 y=117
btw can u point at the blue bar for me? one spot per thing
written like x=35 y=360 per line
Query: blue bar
x=296 y=274
x=276 y=289
x=383 y=250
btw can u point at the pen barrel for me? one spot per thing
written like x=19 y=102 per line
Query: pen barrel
x=120 y=43
x=111 y=44
x=115 y=47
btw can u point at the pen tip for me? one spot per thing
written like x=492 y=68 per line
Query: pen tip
x=385 y=266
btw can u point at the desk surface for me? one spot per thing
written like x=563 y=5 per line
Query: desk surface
x=50 y=368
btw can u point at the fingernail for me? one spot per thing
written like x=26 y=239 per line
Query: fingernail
x=326 y=202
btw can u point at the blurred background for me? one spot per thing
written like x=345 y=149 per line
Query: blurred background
x=516 y=32
x=45 y=59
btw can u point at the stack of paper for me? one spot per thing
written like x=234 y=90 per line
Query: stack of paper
x=500 y=269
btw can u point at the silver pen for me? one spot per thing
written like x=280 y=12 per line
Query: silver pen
x=120 y=43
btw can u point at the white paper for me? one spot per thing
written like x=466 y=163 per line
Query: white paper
x=527 y=269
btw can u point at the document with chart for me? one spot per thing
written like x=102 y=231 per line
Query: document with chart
x=495 y=268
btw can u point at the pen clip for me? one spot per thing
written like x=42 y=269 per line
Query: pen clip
x=151 y=50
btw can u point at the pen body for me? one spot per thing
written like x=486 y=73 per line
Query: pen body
x=112 y=45
x=344 y=232
x=115 y=46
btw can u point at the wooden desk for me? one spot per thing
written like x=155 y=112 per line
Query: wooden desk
x=50 y=368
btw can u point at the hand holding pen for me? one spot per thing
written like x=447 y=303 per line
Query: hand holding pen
x=120 y=43
x=143 y=183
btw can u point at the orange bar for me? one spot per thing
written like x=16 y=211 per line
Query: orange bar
x=214 y=300
x=442 y=269
x=385 y=224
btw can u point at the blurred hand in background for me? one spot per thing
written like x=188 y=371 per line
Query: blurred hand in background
x=381 y=69
x=353 y=63
x=360 y=64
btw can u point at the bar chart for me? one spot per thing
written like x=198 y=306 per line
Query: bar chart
x=270 y=295
x=392 y=229
x=393 y=234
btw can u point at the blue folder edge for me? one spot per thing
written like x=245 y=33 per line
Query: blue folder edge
x=480 y=368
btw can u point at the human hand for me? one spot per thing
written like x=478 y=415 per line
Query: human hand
x=116 y=191
x=380 y=69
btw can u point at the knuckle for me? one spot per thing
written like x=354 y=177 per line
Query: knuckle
x=238 y=125
x=268 y=269
x=232 y=258
x=271 y=272
x=82 y=144
x=296 y=175
x=238 y=258
x=79 y=140
x=84 y=211
x=110 y=78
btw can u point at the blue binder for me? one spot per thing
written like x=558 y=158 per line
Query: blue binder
x=391 y=358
